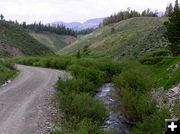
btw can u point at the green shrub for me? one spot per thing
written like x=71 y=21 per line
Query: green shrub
x=150 y=60
x=7 y=63
x=93 y=75
x=110 y=69
x=137 y=79
x=61 y=62
x=154 y=57
x=160 y=52
x=153 y=124
x=82 y=106
x=134 y=85
x=86 y=62
x=44 y=62
x=7 y=70
x=77 y=86
x=27 y=60
x=137 y=106
x=85 y=126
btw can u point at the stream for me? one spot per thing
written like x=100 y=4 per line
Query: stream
x=115 y=121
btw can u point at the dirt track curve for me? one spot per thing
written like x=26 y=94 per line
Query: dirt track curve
x=25 y=102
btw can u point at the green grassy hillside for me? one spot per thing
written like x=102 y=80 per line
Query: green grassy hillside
x=129 y=38
x=54 y=42
x=16 y=41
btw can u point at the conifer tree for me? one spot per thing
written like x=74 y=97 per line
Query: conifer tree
x=173 y=30
x=2 y=17
x=169 y=10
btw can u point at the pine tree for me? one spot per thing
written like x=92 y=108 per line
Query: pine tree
x=24 y=24
x=173 y=30
x=169 y=10
x=2 y=17
x=144 y=13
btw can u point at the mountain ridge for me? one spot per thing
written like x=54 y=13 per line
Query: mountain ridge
x=78 y=26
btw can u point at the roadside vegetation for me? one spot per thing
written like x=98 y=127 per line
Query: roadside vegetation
x=134 y=80
x=82 y=112
x=7 y=71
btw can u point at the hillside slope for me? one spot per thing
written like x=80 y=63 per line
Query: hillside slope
x=129 y=38
x=54 y=42
x=16 y=41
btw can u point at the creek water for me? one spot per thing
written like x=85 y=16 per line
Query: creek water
x=115 y=121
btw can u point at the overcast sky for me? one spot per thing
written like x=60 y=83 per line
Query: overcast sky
x=71 y=10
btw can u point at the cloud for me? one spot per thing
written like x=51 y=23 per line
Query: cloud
x=71 y=10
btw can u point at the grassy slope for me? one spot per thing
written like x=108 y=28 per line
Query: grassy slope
x=13 y=36
x=130 y=37
x=54 y=42
x=167 y=72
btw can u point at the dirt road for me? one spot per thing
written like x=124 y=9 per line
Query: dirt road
x=25 y=103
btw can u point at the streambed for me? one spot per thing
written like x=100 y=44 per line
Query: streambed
x=115 y=121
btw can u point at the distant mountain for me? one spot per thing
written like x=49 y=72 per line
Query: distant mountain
x=92 y=23
x=160 y=14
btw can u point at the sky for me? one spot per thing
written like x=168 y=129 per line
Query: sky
x=48 y=11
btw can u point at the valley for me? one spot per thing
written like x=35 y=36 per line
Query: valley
x=119 y=75
x=54 y=42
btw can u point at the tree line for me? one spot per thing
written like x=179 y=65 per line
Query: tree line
x=123 y=15
x=40 y=28
x=59 y=29
x=86 y=31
